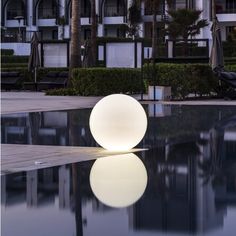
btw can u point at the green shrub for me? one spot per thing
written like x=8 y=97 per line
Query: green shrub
x=231 y=68
x=23 y=71
x=14 y=59
x=42 y=72
x=104 y=81
x=14 y=65
x=62 y=92
x=229 y=49
x=183 y=78
x=7 y=52
x=230 y=60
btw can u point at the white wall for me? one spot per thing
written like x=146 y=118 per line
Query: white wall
x=21 y=49
x=226 y=17
x=55 y=55
x=121 y=55
x=113 y=20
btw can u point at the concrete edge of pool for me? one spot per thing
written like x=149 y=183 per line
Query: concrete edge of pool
x=22 y=102
x=18 y=157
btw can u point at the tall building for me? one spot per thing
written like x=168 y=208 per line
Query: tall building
x=52 y=18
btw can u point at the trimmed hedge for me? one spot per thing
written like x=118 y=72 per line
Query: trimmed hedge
x=62 y=92
x=231 y=67
x=14 y=59
x=230 y=60
x=183 y=78
x=104 y=81
x=42 y=72
x=229 y=49
x=7 y=52
x=23 y=71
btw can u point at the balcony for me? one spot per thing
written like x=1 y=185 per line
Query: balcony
x=13 y=36
x=225 y=7
x=11 y=14
x=85 y=12
x=148 y=11
x=113 y=11
x=47 y=13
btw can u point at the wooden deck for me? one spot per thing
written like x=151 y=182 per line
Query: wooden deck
x=16 y=158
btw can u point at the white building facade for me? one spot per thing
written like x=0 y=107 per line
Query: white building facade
x=52 y=18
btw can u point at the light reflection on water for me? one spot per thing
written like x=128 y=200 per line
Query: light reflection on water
x=191 y=172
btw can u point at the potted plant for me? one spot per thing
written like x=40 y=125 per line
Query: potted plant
x=155 y=90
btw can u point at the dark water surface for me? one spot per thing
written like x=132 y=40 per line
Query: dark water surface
x=184 y=184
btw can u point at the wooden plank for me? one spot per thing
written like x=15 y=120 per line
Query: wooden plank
x=16 y=157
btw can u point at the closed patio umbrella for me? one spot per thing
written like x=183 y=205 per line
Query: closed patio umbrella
x=34 y=61
x=216 y=57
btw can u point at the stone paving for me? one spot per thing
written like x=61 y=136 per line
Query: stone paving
x=18 y=157
x=16 y=102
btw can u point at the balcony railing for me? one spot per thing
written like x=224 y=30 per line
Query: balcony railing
x=227 y=7
x=85 y=12
x=114 y=11
x=148 y=11
x=47 y=13
x=15 y=37
x=226 y=11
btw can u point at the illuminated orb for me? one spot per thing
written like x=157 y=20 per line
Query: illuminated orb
x=118 y=122
x=118 y=181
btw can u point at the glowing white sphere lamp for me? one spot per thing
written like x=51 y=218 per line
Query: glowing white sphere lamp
x=118 y=122
x=118 y=181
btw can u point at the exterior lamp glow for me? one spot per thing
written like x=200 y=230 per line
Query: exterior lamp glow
x=118 y=181
x=118 y=122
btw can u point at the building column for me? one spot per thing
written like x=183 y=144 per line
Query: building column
x=166 y=9
x=205 y=7
x=3 y=190
x=141 y=25
x=100 y=30
x=129 y=3
x=64 y=187
x=30 y=28
x=62 y=8
x=61 y=28
x=100 y=27
x=32 y=188
x=206 y=31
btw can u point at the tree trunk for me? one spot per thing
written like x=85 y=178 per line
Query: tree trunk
x=75 y=54
x=93 y=33
x=213 y=9
x=154 y=31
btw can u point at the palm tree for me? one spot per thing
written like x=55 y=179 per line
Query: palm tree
x=134 y=18
x=185 y=23
x=154 y=6
x=75 y=56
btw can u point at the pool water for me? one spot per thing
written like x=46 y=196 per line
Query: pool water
x=183 y=184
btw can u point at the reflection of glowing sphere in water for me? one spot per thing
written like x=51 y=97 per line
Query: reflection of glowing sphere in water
x=118 y=122
x=118 y=181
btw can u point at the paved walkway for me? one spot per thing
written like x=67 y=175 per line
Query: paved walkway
x=15 y=102
x=17 y=157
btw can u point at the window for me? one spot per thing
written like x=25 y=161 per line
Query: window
x=15 y=8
